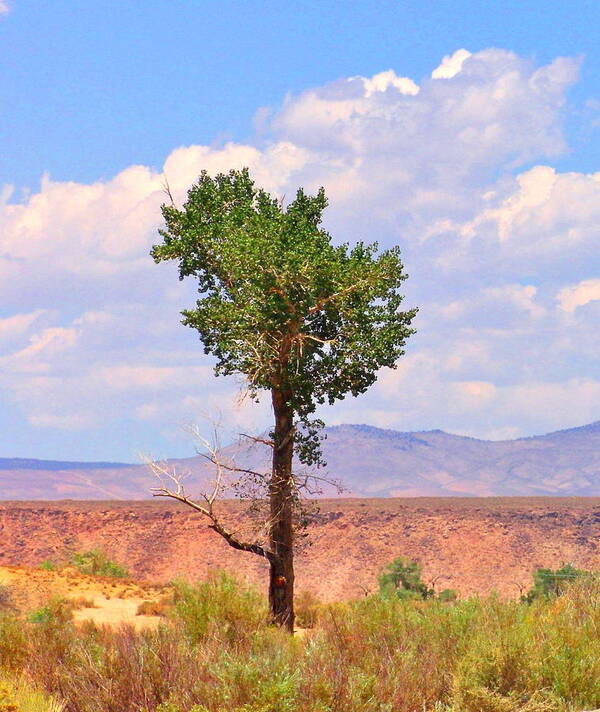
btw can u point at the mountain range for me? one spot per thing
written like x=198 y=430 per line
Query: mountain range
x=367 y=461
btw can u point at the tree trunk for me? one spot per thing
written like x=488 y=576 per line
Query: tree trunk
x=281 y=534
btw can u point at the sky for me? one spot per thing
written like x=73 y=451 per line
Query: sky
x=467 y=133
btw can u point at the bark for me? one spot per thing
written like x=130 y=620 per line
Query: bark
x=281 y=533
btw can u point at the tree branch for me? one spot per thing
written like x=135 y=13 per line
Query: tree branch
x=256 y=439
x=322 y=302
x=177 y=492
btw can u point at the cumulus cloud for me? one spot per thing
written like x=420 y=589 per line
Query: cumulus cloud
x=499 y=257
x=387 y=80
x=423 y=391
x=450 y=65
x=535 y=223
x=18 y=325
x=580 y=294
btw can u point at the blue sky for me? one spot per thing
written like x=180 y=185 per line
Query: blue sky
x=484 y=174
x=89 y=88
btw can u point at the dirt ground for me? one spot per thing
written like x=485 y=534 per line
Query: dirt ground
x=473 y=545
x=97 y=599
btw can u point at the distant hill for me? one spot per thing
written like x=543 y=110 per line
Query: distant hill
x=23 y=463
x=368 y=461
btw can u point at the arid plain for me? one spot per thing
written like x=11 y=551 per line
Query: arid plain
x=473 y=545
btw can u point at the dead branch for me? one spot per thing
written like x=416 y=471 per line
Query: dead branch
x=176 y=491
x=167 y=189
x=249 y=485
x=256 y=439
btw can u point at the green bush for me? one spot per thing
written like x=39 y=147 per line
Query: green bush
x=13 y=642
x=402 y=578
x=447 y=595
x=57 y=611
x=219 y=607
x=17 y=695
x=548 y=583
x=96 y=563
x=47 y=565
x=7 y=601
x=307 y=608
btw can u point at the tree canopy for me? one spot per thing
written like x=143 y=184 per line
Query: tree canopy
x=279 y=302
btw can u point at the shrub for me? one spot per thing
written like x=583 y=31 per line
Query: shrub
x=17 y=695
x=217 y=653
x=47 y=565
x=307 y=607
x=13 y=642
x=160 y=607
x=96 y=563
x=220 y=607
x=548 y=583
x=7 y=601
x=81 y=602
x=402 y=578
x=57 y=611
x=447 y=595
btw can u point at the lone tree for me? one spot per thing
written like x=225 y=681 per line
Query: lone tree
x=295 y=315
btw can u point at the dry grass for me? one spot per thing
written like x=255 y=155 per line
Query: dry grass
x=158 y=607
x=217 y=653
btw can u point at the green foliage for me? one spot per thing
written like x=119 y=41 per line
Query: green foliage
x=447 y=595
x=17 y=695
x=13 y=642
x=7 y=602
x=308 y=608
x=279 y=303
x=47 y=565
x=219 y=607
x=373 y=655
x=57 y=611
x=548 y=583
x=96 y=563
x=402 y=578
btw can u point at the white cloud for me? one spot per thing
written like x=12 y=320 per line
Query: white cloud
x=4 y=7
x=546 y=213
x=387 y=80
x=432 y=167
x=72 y=422
x=18 y=325
x=451 y=65
x=571 y=297
x=96 y=229
x=410 y=158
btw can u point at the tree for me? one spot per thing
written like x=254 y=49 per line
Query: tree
x=402 y=578
x=305 y=320
x=548 y=583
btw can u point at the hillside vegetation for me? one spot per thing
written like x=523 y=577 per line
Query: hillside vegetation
x=217 y=653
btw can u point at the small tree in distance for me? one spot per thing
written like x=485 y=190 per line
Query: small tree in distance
x=305 y=320
x=402 y=578
x=548 y=583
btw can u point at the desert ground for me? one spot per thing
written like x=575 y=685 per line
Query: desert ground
x=101 y=600
x=473 y=545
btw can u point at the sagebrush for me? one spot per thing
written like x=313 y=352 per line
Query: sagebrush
x=217 y=652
